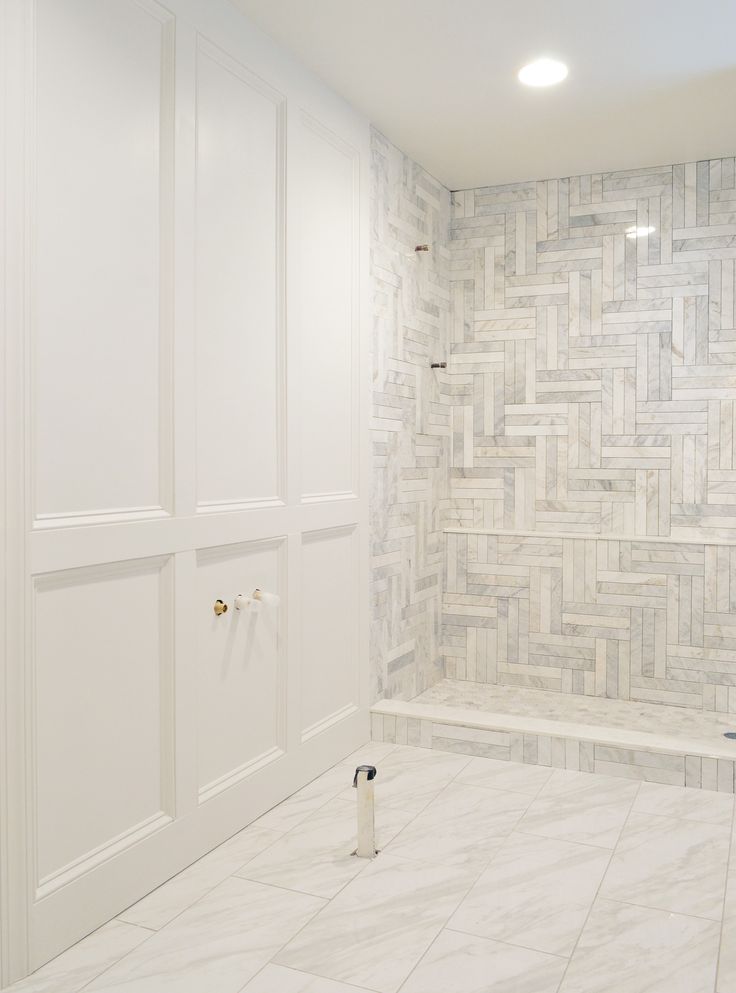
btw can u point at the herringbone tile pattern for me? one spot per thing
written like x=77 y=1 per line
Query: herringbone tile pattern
x=594 y=373
x=594 y=393
x=410 y=420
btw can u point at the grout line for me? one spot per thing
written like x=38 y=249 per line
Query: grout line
x=725 y=896
x=600 y=884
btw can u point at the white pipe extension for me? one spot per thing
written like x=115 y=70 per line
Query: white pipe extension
x=252 y=601
x=363 y=782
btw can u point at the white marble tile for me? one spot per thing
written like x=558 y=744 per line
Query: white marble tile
x=536 y=893
x=216 y=945
x=462 y=824
x=464 y=963
x=500 y=775
x=670 y=864
x=316 y=857
x=83 y=962
x=690 y=804
x=625 y=949
x=278 y=979
x=410 y=777
x=375 y=930
x=580 y=807
x=184 y=889
x=727 y=961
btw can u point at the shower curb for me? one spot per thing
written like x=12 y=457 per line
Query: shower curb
x=638 y=755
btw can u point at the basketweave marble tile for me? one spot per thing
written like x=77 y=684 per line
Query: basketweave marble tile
x=673 y=864
x=536 y=893
x=463 y=963
x=640 y=950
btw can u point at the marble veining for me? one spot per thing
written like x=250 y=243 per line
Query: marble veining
x=463 y=898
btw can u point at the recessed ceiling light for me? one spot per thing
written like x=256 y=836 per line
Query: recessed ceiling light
x=543 y=72
x=639 y=232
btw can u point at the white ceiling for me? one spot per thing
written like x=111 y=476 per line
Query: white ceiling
x=651 y=81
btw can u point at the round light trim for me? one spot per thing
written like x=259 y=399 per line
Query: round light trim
x=543 y=72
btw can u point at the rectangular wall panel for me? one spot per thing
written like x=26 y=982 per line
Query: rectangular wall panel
x=326 y=318
x=330 y=650
x=101 y=305
x=241 y=670
x=103 y=684
x=239 y=283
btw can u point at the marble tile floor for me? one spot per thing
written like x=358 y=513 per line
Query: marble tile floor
x=493 y=877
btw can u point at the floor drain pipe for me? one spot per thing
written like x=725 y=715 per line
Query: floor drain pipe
x=363 y=782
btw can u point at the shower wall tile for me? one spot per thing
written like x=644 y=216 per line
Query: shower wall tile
x=630 y=619
x=595 y=394
x=411 y=427
x=595 y=373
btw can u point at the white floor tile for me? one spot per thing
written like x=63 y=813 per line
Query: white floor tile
x=580 y=807
x=505 y=775
x=463 y=963
x=217 y=945
x=626 y=949
x=375 y=930
x=169 y=900
x=316 y=857
x=670 y=864
x=278 y=979
x=680 y=801
x=462 y=824
x=83 y=962
x=536 y=893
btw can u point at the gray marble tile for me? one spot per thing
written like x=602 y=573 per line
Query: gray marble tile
x=463 y=824
x=218 y=944
x=536 y=893
x=374 y=931
x=316 y=857
x=690 y=804
x=670 y=864
x=638 y=950
x=83 y=962
x=501 y=775
x=463 y=963
x=576 y=806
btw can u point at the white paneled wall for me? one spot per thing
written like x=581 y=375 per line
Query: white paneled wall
x=184 y=420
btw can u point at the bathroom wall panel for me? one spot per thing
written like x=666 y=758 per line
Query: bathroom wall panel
x=326 y=310
x=103 y=677
x=161 y=468
x=101 y=308
x=241 y=664
x=330 y=626
x=240 y=177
